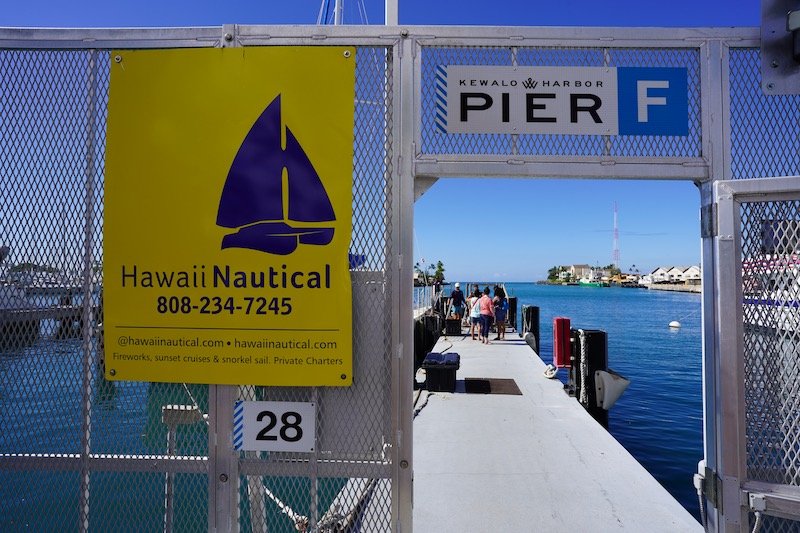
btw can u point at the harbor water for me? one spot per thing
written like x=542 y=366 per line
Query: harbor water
x=659 y=417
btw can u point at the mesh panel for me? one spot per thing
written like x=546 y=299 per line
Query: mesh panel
x=49 y=131
x=113 y=509
x=54 y=397
x=770 y=274
x=434 y=142
x=346 y=446
x=764 y=129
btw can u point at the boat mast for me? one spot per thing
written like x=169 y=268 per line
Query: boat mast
x=338 y=7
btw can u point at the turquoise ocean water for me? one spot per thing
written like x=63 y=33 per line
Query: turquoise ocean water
x=659 y=418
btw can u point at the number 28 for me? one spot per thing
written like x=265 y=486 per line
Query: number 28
x=290 y=430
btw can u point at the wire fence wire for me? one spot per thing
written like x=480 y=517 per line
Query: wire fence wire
x=80 y=452
x=770 y=269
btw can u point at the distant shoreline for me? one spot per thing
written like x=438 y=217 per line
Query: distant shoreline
x=675 y=287
x=670 y=287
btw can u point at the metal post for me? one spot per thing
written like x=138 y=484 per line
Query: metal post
x=716 y=145
x=223 y=461
x=730 y=379
x=390 y=18
x=255 y=484
x=314 y=468
x=169 y=484
x=402 y=327
x=86 y=331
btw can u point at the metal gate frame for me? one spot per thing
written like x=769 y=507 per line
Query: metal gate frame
x=415 y=170
x=741 y=495
x=224 y=465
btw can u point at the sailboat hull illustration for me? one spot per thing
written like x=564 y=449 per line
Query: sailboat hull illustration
x=273 y=195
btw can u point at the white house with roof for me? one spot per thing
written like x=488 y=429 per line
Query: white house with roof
x=659 y=275
x=691 y=276
x=675 y=274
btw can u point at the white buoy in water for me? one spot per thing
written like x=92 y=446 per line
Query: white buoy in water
x=675 y=324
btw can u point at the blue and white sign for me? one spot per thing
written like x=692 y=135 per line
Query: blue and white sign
x=274 y=426
x=653 y=101
x=562 y=100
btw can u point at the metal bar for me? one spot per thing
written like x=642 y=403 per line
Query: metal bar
x=103 y=38
x=776 y=500
x=764 y=189
x=606 y=138
x=86 y=402
x=571 y=168
x=84 y=38
x=73 y=462
x=730 y=384
x=252 y=466
x=712 y=150
x=402 y=279
x=212 y=456
x=313 y=470
x=169 y=488
x=710 y=364
x=255 y=483
x=226 y=480
x=573 y=36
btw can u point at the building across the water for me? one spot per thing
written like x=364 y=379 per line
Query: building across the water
x=687 y=275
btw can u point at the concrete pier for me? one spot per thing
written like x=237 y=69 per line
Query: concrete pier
x=533 y=461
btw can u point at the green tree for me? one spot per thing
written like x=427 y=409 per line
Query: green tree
x=554 y=273
x=612 y=270
x=438 y=275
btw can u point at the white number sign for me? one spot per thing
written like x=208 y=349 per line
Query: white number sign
x=274 y=426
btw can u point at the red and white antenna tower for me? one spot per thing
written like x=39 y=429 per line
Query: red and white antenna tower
x=615 y=252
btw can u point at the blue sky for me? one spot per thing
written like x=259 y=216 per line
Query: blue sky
x=530 y=225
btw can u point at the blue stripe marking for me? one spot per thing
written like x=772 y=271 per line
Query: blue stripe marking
x=238 y=425
x=440 y=88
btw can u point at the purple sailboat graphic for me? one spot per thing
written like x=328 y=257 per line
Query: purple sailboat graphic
x=262 y=202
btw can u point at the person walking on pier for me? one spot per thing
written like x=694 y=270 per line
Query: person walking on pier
x=500 y=303
x=487 y=314
x=457 y=301
x=474 y=313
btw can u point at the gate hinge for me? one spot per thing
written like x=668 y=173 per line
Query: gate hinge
x=708 y=221
x=712 y=488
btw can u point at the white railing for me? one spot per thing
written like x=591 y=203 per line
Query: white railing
x=422 y=299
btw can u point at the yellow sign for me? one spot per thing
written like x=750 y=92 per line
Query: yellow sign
x=228 y=206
